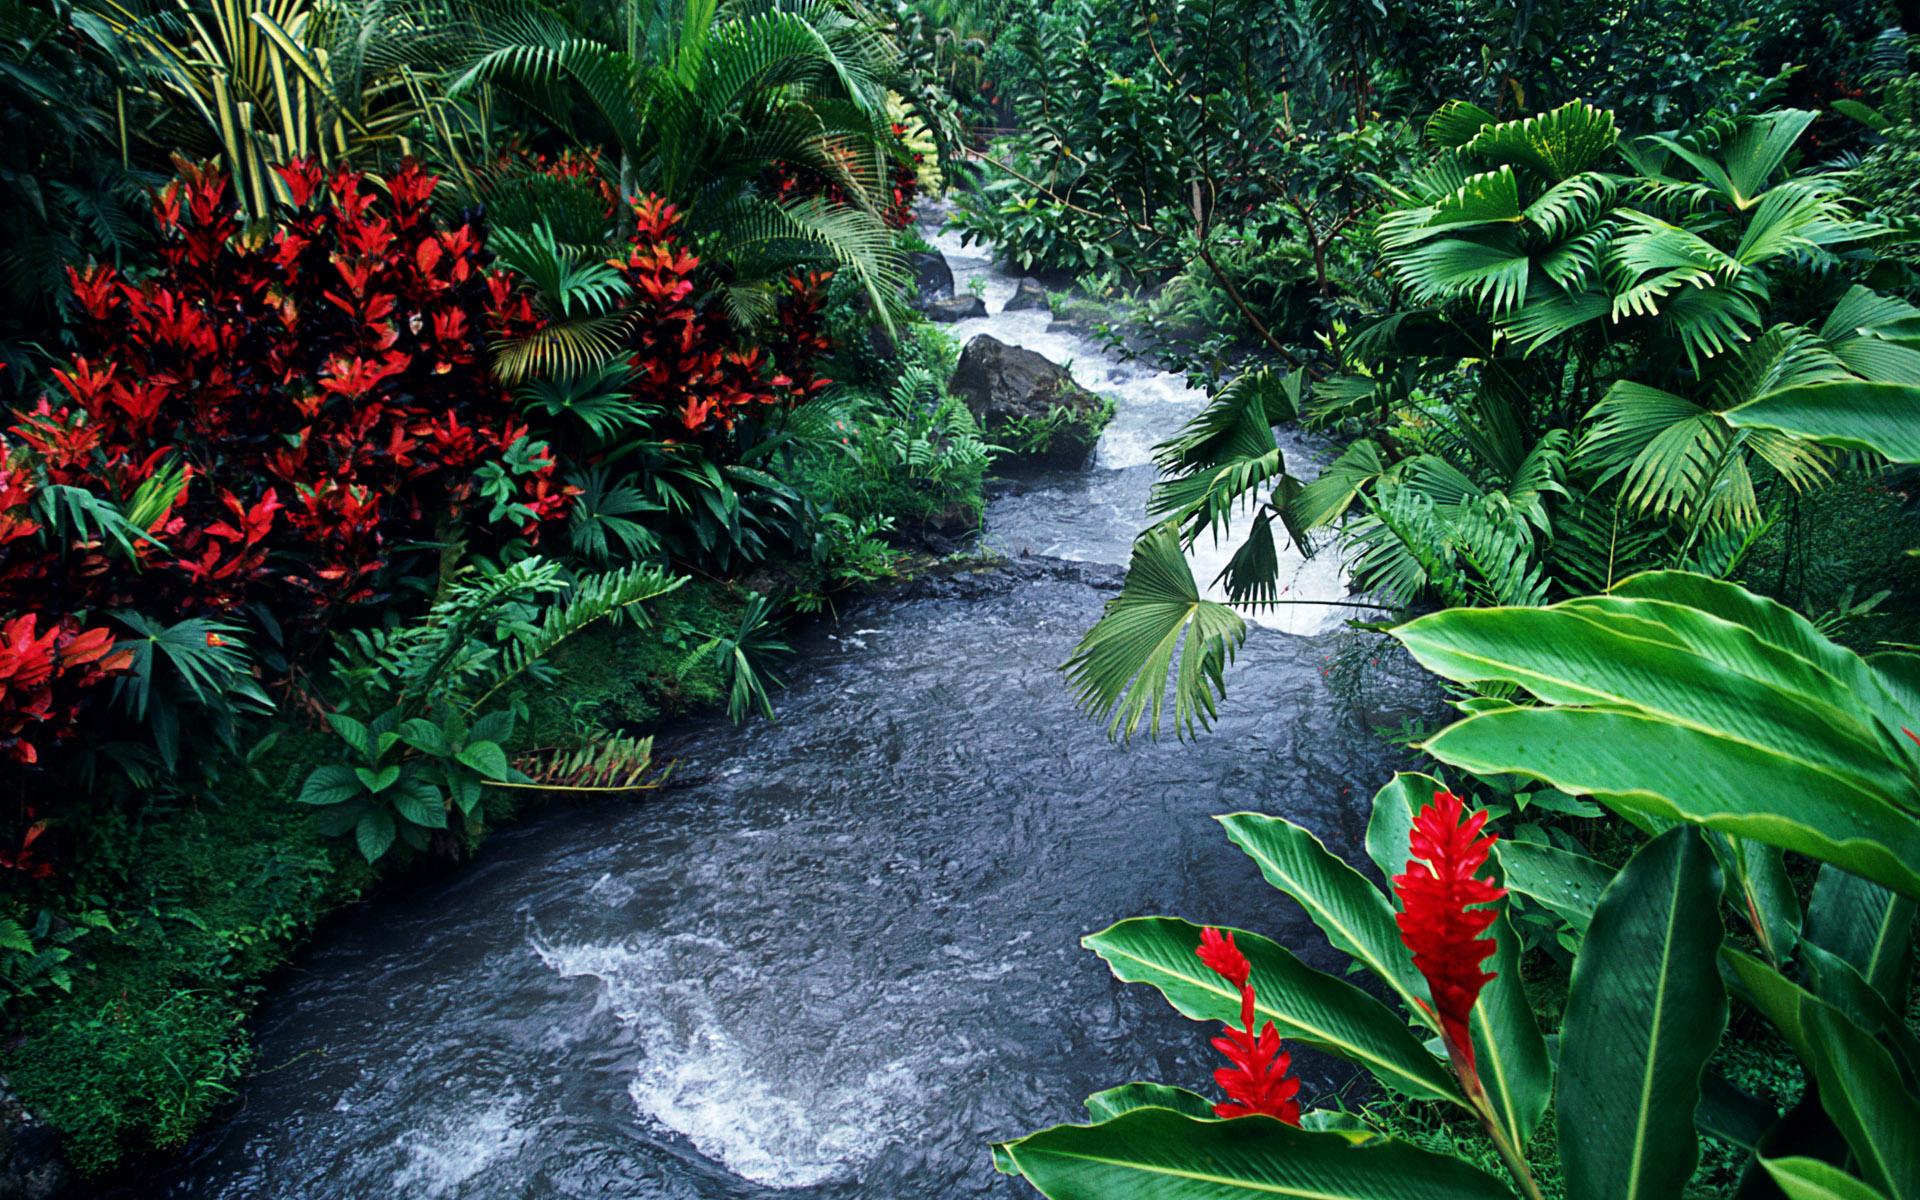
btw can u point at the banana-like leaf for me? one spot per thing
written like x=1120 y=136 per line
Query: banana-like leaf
x=1859 y=1083
x=1652 y=770
x=1645 y=1009
x=1811 y=1179
x=1390 y=823
x=1305 y=1005
x=1865 y=926
x=1834 y=980
x=1353 y=913
x=1860 y=1089
x=1104 y=1106
x=1508 y=1046
x=1853 y=414
x=1732 y=716
x=1769 y=993
x=1158 y=1154
x=1757 y=885
x=1570 y=884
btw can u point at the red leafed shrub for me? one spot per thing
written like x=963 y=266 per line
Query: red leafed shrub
x=325 y=384
x=687 y=355
x=46 y=667
x=277 y=409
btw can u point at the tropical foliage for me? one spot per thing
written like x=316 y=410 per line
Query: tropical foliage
x=1604 y=352
x=1736 y=733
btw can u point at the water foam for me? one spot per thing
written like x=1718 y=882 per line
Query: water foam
x=780 y=1121
x=453 y=1148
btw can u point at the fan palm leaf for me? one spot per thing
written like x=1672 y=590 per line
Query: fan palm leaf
x=1124 y=667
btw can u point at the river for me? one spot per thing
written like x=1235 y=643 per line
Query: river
x=841 y=954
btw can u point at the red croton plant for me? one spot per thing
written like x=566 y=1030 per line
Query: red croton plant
x=688 y=357
x=280 y=408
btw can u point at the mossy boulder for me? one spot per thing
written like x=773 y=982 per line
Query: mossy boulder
x=1028 y=404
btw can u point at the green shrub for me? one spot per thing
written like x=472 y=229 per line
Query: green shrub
x=911 y=452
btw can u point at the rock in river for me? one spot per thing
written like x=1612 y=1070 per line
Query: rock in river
x=932 y=277
x=1027 y=403
x=1028 y=294
x=955 y=308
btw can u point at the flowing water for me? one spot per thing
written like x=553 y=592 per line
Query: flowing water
x=840 y=955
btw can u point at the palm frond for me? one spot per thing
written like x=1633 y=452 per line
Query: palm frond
x=1557 y=144
x=1122 y=669
x=1222 y=458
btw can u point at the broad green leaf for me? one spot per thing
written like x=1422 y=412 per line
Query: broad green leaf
x=1811 y=1179
x=1732 y=1115
x=1390 y=826
x=1305 y=1005
x=1852 y=414
x=352 y=732
x=1570 y=884
x=1333 y=1120
x=1654 y=770
x=420 y=803
x=1770 y=994
x=1757 y=885
x=377 y=781
x=487 y=758
x=1835 y=981
x=1798 y=653
x=1865 y=925
x=374 y=833
x=1507 y=1043
x=333 y=783
x=1669 y=661
x=1104 y=1106
x=1156 y=1154
x=1860 y=1089
x=425 y=736
x=1869 y=683
x=1645 y=1009
x=1354 y=915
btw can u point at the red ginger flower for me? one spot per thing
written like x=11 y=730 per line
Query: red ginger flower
x=1258 y=1082
x=1435 y=921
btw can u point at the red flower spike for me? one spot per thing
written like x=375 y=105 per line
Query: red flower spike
x=1223 y=958
x=1259 y=1081
x=1437 y=920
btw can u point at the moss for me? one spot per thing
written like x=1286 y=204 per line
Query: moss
x=206 y=901
x=627 y=677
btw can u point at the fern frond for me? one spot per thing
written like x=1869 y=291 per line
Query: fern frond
x=613 y=764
